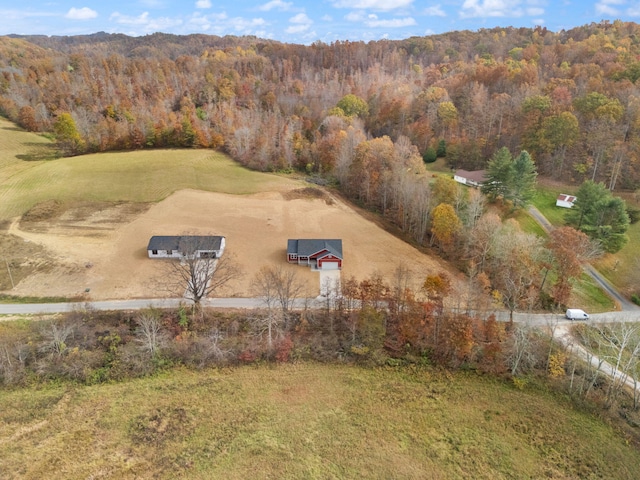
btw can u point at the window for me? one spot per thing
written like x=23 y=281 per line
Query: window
x=169 y=252
x=154 y=252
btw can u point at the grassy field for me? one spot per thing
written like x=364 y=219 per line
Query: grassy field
x=545 y=201
x=139 y=176
x=305 y=421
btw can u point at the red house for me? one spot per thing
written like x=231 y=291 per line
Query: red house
x=319 y=254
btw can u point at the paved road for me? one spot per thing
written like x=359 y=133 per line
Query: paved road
x=49 y=308
x=625 y=305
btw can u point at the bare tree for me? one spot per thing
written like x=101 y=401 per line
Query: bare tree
x=150 y=335
x=55 y=338
x=620 y=343
x=278 y=286
x=522 y=353
x=196 y=275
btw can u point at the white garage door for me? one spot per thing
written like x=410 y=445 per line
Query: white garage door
x=327 y=265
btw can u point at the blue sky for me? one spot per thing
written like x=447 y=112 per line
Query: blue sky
x=303 y=21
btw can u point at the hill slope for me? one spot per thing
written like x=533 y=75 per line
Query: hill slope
x=305 y=421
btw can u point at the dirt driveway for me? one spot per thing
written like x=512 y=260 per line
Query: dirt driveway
x=107 y=257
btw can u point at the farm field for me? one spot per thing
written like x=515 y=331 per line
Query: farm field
x=86 y=222
x=305 y=421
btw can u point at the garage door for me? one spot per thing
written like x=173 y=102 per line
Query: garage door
x=329 y=265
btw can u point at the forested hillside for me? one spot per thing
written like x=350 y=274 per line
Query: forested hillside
x=568 y=98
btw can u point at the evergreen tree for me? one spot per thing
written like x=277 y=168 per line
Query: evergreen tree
x=442 y=149
x=523 y=180
x=600 y=215
x=499 y=173
x=429 y=155
x=512 y=179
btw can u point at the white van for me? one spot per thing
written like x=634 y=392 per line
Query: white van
x=577 y=314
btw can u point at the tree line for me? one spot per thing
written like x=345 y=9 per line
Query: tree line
x=568 y=98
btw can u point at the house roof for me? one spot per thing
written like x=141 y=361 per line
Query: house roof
x=185 y=242
x=306 y=247
x=477 y=176
x=563 y=197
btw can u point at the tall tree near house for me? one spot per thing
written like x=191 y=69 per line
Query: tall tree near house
x=600 y=215
x=499 y=172
x=512 y=179
x=196 y=277
x=523 y=180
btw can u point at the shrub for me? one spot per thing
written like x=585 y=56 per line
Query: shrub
x=429 y=156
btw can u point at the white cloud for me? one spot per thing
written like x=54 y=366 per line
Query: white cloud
x=297 y=28
x=373 y=4
x=607 y=7
x=83 y=13
x=533 y=11
x=392 y=23
x=327 y=18
x=435 y=11
x=301 y=23
x=491 y=8
x=153 y=3
x=147 y=24
x=354 y=17
x=203 y=4
x=301 y=18
x=275 y=4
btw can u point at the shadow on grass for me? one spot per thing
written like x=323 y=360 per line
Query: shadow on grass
x=38 y=152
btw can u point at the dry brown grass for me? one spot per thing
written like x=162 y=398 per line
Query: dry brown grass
x=304 y=421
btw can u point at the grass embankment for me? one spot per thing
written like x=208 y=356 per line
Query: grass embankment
x=138 y=176
x=305 y=421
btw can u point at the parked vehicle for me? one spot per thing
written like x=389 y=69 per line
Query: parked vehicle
x=577 y=314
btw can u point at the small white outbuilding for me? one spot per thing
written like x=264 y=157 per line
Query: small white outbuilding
x=565 y=201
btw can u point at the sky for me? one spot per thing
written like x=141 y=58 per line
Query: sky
x=303 y=21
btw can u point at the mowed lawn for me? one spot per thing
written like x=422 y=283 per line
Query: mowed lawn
x=138 y=176
x=304 y=421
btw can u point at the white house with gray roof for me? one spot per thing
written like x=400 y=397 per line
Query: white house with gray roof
x=200 y=246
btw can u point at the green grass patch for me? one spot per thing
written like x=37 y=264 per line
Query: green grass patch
x=545 y=201
x=305 y=421
x=588 y=294
x=528 y=223
x=439 y=166
x=138 y=176
x=623 y=268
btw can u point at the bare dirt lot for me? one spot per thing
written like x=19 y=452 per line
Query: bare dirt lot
x=99 y=251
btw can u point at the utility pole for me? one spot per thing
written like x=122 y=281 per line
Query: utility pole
x=9 y=270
